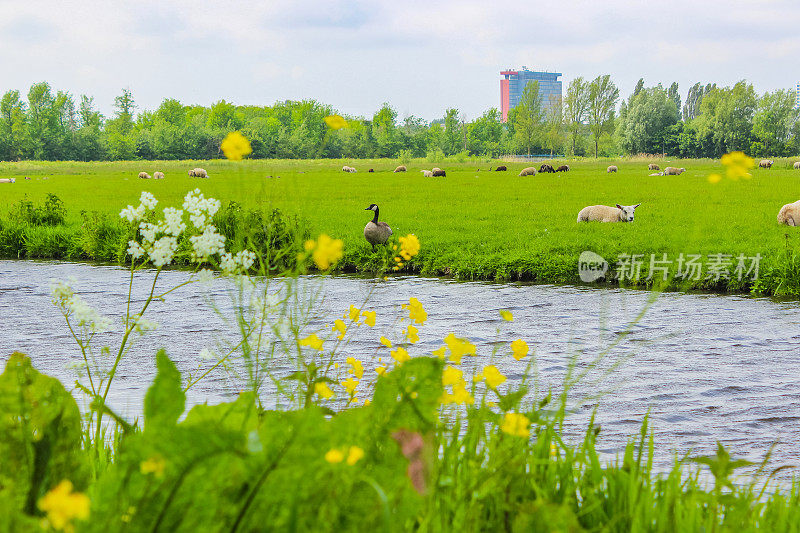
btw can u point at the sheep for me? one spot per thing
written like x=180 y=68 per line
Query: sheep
x=612 y=168
x=191 y=173
x=653 y=166
x=673 y=171
x=371 y=170
x=158 y=175
x=501 y=168
x=348 y=169
x=8 y=180
x=438 y=173
x=434 y=169
x=656 y=174
x=401 y=168
x=427 y=173
x=546 y=168
x=796 y=165
x=144 y=175
x=528 y=171
x=563 y=168
x=200 y=173
x=790 y=214
x=604 y=213
x=765 y=163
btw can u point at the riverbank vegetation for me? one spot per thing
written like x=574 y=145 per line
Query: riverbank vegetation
x=477 y=224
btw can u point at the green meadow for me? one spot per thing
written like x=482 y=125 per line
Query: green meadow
x=473 y=223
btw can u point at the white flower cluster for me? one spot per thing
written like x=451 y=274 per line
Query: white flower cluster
x=201 y=209
x=240 y=262
x=146 y=202
x=207 y=244
x=142 y=325
x=75 y=308
x=163 y=250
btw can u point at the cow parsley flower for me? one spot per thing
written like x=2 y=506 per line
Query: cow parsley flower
x=163 y=251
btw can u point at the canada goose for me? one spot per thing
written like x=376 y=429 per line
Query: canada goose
x=376 y=232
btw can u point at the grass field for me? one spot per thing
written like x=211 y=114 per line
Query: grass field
x=474 y=224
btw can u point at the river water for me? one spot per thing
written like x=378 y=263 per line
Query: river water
x=708 y=368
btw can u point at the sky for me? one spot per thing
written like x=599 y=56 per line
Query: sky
x=421 y=57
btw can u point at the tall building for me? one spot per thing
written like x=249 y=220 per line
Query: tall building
x=515 y=81
x=797 y=96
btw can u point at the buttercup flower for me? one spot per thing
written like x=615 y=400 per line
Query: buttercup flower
x=386 y=342
x=415 y=311
x=451 y=376
x=62 y=506
x=340 y=326
x=334 y=456
x=335 y=122
x=519 y=349
x=400 y=355
x=516 y=424
x=737 y=165
x=412 y=334
x=458 y=348
x=440 y=352
x=506 y=314
x=322 y=390
x=354 y=455
x=409 y=246
x=236 y=146
x=326 y=251
x=358 y=368
x=369 y=318
x=492 y=376
x=354 y=313
x=313 y=341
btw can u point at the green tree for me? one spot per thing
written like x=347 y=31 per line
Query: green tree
x=453 y=134
x=644 y=120
x=603 y=96
x=485 y=134
x=554 y=125
x=725 y=121
x=528 y=117
x=576 y=111
x=774 y=123
x=384 y=127
x=12 y=126
x=121 y=134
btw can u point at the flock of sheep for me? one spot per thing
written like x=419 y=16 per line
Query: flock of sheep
x=158 y=175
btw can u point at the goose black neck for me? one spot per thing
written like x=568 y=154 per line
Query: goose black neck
x=375 y=218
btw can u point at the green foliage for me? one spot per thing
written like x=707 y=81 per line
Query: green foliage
x=40 y=437
x=644 y=121
x=51 y=213
x=602 y=103
x=529 y=117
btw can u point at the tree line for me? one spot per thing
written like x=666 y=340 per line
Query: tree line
x=589 y=120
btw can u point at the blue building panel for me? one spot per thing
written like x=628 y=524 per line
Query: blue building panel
x=549 y=87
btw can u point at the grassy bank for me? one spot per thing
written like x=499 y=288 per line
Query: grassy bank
x=474 y=224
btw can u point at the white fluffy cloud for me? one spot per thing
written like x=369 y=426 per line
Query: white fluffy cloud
x=420 y=56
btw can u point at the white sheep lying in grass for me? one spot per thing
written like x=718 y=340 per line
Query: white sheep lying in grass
x=673 y=171
x=158 y=175
x=435 y=169
x=427 y=173
x=144 y=175
x=604 y=213
x=612 y=168
x=8 y=180
x=199 y=173
x=348 y=169
x=796 y=166
x=790 y=214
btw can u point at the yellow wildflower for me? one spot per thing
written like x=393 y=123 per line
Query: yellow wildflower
x=354 y=455
x=350 y=385
x=714 y=178
x=358 y=368
x=153 y=465
x=334 y=456
x=381 y=370
x=63 y=506
x=335 y=122
x=236 y=146
x=506 y=314
x=516 y=424
x=355 y=313
x=326 y=251
x=415 y=311
x=369 y=318
x=340 y=326
x=386 y=342
x=519 y=349
x=400 y=355
x=323 y=390
x=313 y=341
x=493 y=376
x=409 y=246
x=553 y=450
x=451 y=376
x=439 y=352
x=458 y=348
x=367 y=402
x=737 y=165
x=412 y=334
x=461 y=395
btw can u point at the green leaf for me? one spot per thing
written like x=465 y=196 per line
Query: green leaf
x=165 y=400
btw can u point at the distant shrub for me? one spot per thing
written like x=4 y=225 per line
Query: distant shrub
x=51 y=213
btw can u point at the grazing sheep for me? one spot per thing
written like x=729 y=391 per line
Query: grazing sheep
x=371 y=170
x=144 y=175
x=766 y=163
x=790 y=214
x=427 y=173
x=604 y=213
x=673 y=171
x=401 y=168
x=200 y=173
x=796 y=165
x=653 y=166
x=501 y=168
x=563 y=168
x=612 y=168
x=434 y=169
x=348 y=169
x=528 y=171
x=376 y=232
x=158 y=175
x=191 y=173
x=546 y=168
x=8 y=180
x=438 y=173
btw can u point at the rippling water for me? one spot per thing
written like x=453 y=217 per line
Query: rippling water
x=706 y=367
